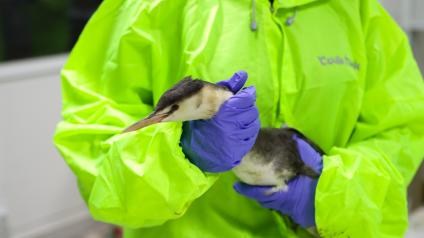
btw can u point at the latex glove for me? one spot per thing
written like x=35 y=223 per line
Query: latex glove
x=298 y=201
x=219 y=144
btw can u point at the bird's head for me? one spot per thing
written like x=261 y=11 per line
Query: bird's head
x=190 y=99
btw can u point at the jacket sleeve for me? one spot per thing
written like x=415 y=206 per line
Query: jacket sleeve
x=136 y=179
x=362 y=190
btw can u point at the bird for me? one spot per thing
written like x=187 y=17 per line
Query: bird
x=274 y=158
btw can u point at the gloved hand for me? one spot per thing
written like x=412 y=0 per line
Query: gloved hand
x=219 y=144
x=298 y=201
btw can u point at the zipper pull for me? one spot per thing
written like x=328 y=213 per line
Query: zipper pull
x=290 y=20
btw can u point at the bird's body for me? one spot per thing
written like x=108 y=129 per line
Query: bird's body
x=274 y=158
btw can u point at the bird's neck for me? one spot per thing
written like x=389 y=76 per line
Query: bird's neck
x=213 y=98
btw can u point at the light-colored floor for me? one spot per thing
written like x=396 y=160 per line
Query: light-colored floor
x=86 y=229
x=416 y=224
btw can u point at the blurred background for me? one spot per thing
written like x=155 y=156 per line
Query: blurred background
x=38 y=194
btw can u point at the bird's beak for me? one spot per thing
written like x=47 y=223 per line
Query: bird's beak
x=150 y=120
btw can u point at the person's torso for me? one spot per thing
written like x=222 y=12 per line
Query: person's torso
x=308 y=74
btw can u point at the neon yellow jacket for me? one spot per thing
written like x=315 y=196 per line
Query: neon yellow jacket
x=342 y=73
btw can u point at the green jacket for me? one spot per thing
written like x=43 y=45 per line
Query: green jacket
x=342 y=73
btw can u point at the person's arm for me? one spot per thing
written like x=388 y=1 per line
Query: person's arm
x=362 y=190
x=111 y=80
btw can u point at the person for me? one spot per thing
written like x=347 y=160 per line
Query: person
x=340 y=72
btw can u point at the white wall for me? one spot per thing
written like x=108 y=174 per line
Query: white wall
x=408 y=13
x=36 y=187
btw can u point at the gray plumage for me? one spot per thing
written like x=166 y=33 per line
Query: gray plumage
x=278 y=145
x=274 y=159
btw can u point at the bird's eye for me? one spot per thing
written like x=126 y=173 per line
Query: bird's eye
x=173 y=108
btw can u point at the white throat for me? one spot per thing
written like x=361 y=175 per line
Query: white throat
x=202 y=105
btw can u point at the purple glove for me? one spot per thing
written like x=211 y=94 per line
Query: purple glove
x=298 y=201
x=219 y=144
